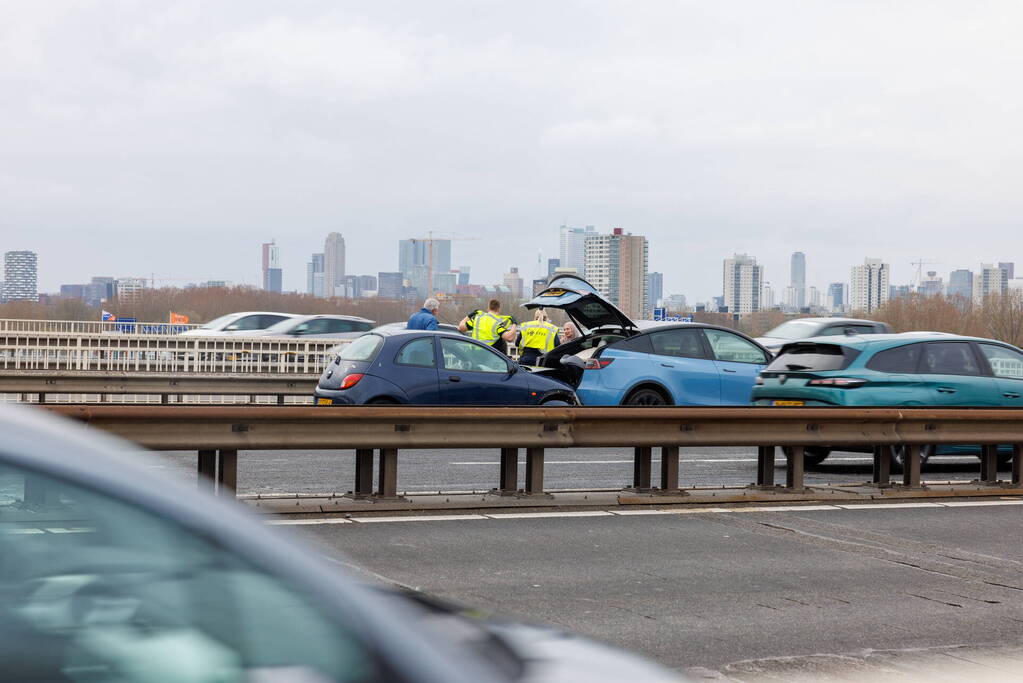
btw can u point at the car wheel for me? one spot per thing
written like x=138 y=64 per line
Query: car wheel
x=554 y=402
x=646 y=397
x=812 y=455
x=902 y=456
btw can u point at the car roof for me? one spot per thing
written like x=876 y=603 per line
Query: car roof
x=331 y=316
x=861 y=341
x=836 y=320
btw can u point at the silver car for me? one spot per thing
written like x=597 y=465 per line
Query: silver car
x=320 y=327
x=109 y=572
x=246 y=323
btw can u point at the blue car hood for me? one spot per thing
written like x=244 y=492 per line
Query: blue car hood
x=581 y=302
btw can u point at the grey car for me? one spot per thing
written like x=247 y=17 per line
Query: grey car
x=804 y=328
x=111 y=573
x=320 y=327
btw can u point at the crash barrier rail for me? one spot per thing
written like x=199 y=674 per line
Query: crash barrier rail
x=172 y=354
x=217 y=433
x=92 y=326
x=29 y=386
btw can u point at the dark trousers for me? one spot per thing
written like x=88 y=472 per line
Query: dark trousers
x=529 y=356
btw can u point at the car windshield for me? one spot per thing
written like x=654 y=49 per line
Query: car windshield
x=812 y=358
x=794 y=329
x=363 y=348
x=217 y=323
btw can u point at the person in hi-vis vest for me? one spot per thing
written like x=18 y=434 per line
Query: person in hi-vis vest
x=536 y=337
x=489 y=326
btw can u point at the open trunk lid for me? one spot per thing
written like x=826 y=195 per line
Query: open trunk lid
x=581 y=302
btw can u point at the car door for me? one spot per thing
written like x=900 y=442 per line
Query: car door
x=896 y=382
x=738 y=362
x=680 y=358
x=952 y=374
x=475 y=374
x=1007 y=366
x=417 y=375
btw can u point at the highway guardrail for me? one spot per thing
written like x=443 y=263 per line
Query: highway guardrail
x=217 y=433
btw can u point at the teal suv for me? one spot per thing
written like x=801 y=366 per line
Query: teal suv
x=912 y=369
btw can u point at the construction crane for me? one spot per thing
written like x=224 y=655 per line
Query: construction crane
x=428 y=241
x=920 y=263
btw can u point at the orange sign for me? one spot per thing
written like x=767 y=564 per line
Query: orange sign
x=178 y=319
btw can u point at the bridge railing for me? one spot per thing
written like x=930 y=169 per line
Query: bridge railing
x=92 y=326
x=161 y=353
x=218 y=433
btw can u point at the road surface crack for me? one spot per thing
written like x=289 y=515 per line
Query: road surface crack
x=940 y=602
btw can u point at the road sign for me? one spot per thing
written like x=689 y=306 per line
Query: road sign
x=661 y=316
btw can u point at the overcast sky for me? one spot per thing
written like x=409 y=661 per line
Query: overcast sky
x=174 y=137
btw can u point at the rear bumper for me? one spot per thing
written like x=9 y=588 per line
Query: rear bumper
x=336 y=398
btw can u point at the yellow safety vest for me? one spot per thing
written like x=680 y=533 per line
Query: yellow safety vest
x=487 y=327
x=538 y=335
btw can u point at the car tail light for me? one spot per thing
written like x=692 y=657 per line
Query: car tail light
x=839 y=382
x=351 y=380
x=598 y=363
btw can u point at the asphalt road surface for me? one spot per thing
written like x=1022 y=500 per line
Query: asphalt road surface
x=706 y=592
x=578 y=468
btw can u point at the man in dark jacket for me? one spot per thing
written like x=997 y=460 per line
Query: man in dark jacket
x=426 y=317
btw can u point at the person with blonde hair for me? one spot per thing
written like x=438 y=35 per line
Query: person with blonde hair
x=536 y=337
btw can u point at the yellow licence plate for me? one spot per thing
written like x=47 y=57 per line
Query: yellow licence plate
x=776 y=403
x=324 y=402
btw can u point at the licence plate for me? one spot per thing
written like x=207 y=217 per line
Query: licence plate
x=776 y=403
x=324 y=401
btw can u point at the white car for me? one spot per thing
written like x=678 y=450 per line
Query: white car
x=319 y=327
x=247 y=323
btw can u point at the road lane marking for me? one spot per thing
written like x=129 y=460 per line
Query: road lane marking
x=630 y=461
x=631 y=513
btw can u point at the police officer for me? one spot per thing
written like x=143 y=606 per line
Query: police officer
x=490 y=327
x=536 y=337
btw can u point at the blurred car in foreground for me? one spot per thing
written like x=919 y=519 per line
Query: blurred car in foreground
x=402 y=325
x=432 y=368
x=621 y=362
x=911 y=369
x=319 y=327
x=804 y=328
x=238 y=324
x=111 y=573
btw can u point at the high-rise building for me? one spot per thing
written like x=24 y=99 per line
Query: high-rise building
x=389 y=286
x=616 y=265
x=130 y=288
x=416 y=258
x=798 y=280
x=960 y=284
x=814 y=299
x=102 y=288
x=767 y=297
x=572 y=248
x=463 y=275
x=20 y=276
x=513 y=281
x=836 y=297
x=868 y=290
x=271 y=267
x=334 y=265
x=552 y=265
x=989 y=280
x=654 y=290
x=314 y=275
x=1009 y=268
x=539 y=284
x=931 y=285
x=743 y=284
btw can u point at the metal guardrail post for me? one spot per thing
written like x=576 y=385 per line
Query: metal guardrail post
x=509 y=471
x=794 y=468
x=534 y=471
x=641 y=468
x=363 y=472
x=206 y=466
x=765 y=465
x=669 y=469
x=1017 y=465
x=911 y=466
x=227 y=472
x=882 y=472
x=989 y=464
x=388 y=473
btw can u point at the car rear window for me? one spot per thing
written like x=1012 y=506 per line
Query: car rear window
x=812 y=358
x=363 y=348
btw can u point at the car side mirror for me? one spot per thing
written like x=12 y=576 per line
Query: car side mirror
x=573 y=362
x=512 y=368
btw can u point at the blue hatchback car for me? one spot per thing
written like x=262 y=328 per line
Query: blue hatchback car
x=432 y=368
x=616 y=362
